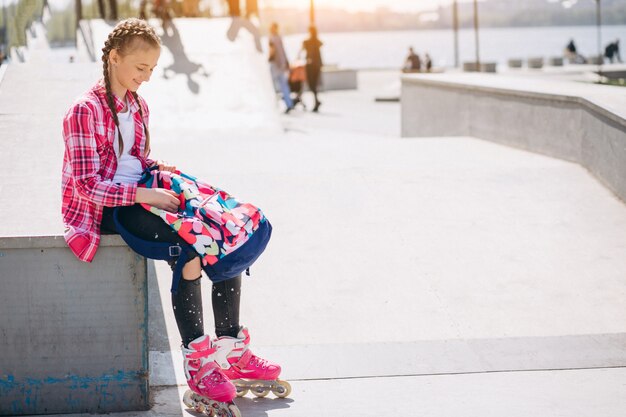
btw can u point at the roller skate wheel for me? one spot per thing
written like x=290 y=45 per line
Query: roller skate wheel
x=259 y=389
x=282 y=389
x=242 y=391
x=188 y=399
x=234 y=410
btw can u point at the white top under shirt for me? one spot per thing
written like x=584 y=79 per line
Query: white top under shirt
x=128 y=167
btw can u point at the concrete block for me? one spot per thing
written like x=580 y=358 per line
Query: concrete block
x=595 y=60
x=74 y=335
x=338 y=79
x=488 y=67
x=555 y=61
x=470 y=67
x=535 y=63
x=515 y=63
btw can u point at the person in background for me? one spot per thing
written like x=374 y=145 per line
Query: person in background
x=572 y=55
x=313 y=63
x=234 y=8
x=611 y=52
x=191 y=8
x=252 y=8
x=413 y=63
x=279 y=65
x=428 y=63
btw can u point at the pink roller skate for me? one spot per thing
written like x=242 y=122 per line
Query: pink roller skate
x=210 y=390
x=247 y=371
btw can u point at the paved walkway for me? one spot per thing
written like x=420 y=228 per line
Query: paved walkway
x=431 y=277
x=597 y=392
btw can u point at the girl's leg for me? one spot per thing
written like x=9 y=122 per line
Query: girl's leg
x=313 y=74
x=187 y=302
x=187 y=305
x=226 y=298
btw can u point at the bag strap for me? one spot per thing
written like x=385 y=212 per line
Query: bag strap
x=154 y=250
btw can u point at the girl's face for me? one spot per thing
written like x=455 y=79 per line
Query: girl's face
x=129 y=71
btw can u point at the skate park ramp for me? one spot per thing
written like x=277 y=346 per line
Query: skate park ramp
x=204 y=80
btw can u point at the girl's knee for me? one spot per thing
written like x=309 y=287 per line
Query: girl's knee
x=192 y=269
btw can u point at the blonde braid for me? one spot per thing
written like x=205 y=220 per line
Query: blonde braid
x=146 y=150
x=122 y=38
x=107 y=83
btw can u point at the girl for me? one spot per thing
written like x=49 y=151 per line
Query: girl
x=107 y=143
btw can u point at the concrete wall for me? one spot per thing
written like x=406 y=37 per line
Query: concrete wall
x=73 y=335
x=338 y=79
x=566 y=127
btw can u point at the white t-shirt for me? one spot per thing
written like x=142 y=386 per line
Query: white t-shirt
x=128 y=167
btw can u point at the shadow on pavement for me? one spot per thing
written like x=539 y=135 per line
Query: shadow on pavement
x=181 y=65
x=239 y=23
x=258 y=407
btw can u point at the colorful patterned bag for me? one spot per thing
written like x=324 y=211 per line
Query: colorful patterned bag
x=228 y=235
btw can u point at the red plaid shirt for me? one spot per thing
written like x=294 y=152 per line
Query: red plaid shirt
x=89 y=165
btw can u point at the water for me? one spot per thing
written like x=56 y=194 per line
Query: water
x=362 y=50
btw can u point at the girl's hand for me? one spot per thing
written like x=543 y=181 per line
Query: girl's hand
x=158 y=197
x=165 y=166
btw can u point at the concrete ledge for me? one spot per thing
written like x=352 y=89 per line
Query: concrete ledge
x=570 y=127
x=74 y=335
x=338 y=79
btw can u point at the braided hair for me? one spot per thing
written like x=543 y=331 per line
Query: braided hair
x=122 y=38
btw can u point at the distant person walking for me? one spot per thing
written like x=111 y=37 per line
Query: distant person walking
x=412 y=63
x=279 y=65
x=611 y=52
x=234 y=8
x=313 y=63
x=252 y=8
x=191 y=8
x=572 y=55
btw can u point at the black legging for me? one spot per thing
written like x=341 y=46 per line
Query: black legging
x=187 y=302
x=313 y=77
